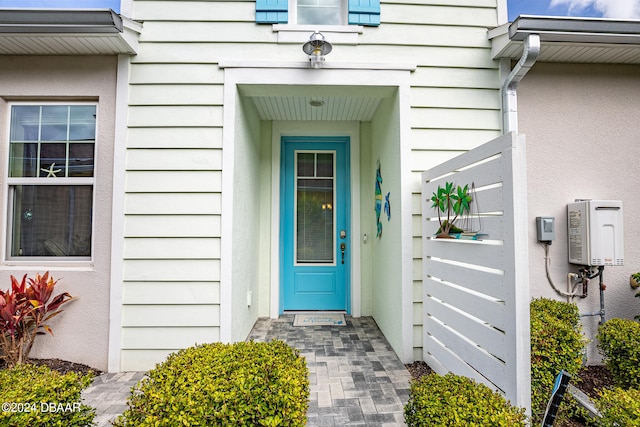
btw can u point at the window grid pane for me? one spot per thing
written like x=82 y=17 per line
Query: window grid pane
x=315 y=193
x=57 y=132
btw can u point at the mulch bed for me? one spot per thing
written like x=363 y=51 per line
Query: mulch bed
x=591 y=379
x=64 y=366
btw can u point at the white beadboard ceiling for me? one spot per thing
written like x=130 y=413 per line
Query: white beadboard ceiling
x=294 y=102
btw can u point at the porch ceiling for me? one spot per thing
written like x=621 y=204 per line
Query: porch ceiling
x=294 y=102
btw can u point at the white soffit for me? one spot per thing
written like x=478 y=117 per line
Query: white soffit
x=579 y=40
x=66 y=32
x=294 y=102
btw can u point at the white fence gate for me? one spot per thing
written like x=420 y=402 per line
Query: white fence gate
x=476 y=293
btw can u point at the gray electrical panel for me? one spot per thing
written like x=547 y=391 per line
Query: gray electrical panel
x=546 y=228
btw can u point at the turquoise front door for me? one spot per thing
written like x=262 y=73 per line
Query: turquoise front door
x=314 y=225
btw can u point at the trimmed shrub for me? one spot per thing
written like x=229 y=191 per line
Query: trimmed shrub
x=619 y=343
x=452 y=400
x=619 y=407
x=36 y=396
x=556 y=344
x=241 y=384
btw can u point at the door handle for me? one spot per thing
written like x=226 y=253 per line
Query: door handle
x=342 y=248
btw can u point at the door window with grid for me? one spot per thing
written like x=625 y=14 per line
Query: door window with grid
x=51 y=180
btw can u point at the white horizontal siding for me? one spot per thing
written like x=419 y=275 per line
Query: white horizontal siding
x=227 y=11
x=172 y=270
x=427 y=35
x=170 y=315
x=451 y=139
x=185 y=94
x=174 y=159
x=429 y=158
x=164 y=293
x=453 y=118
x=172 y=203
x=167 y=338
x=194 y=137
x=172 y=226
x=174 y=182
x=172 y=248
x=175 y=116
x=457 y=77
x=143 y=360
x=181 y=73
x=437 y=97
x=431 y=14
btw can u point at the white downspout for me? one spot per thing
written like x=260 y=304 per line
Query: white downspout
x=510 y=85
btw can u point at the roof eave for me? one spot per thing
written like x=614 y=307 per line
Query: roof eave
x=67 y=32
x=621 y=38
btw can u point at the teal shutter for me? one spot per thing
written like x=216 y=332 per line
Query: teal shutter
x=364 y=12
x=272 y=11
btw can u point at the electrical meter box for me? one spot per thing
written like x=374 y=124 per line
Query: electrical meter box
x=595 y=232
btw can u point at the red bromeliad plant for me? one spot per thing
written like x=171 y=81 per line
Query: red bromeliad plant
x=24 y=311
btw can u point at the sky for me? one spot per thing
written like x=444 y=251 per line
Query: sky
x=62 y=4
x=620 y=9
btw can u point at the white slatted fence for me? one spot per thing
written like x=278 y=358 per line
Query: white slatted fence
x=476 y=293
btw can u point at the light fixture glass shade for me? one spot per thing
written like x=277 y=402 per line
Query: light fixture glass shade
x=316 y=48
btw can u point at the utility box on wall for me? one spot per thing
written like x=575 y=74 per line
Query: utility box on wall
x=595 y=232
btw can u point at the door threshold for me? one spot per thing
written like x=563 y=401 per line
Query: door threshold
x=314 y=311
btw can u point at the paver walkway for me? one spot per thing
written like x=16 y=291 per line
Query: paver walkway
x=108 y=394
x=356 y=379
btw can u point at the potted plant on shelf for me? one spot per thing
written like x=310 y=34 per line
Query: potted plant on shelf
x=454 y=202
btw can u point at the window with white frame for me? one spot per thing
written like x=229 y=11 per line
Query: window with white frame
x=51 y=180
x=318 y=12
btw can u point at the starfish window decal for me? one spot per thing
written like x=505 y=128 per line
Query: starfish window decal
x=51 y=172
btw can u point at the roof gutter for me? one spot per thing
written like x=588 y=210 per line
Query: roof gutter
x=81 y=21
x=510 y=85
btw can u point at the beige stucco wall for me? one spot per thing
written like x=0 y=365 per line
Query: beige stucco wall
x=81 y=332
x=582 y=124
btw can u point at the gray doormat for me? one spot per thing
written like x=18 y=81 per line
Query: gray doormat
x=319 y=319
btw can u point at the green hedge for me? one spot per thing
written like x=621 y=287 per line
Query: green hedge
x=619 y=408
x=36 y=396
x=556 y=344
x=453 y=401
x=242 y=384
x=619 y=343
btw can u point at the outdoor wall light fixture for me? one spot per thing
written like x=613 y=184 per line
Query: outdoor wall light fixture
x=317 y=47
